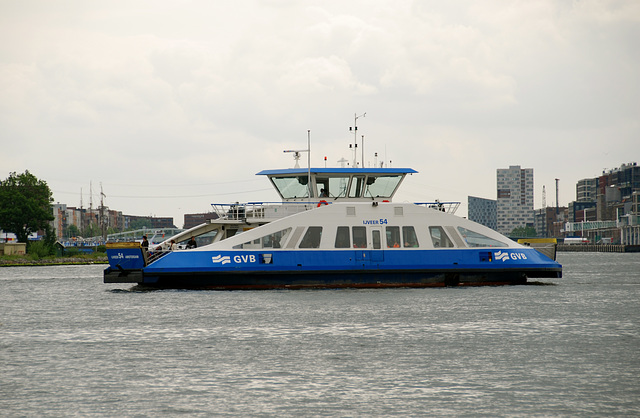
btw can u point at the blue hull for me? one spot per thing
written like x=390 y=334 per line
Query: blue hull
x=283 y=269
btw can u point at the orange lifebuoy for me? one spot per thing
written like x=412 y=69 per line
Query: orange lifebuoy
x=322 y=202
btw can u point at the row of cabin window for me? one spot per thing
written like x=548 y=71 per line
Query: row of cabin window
x=396 y=237
x=359 y=237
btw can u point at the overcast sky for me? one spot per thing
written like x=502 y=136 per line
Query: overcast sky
x=174 y=105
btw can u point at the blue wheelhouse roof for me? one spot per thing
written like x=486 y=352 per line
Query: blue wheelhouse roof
x=337 y=171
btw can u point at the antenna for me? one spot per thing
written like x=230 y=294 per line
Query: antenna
x=296 y=156
x=103 y=221
x=557 y=205
x=354 y=129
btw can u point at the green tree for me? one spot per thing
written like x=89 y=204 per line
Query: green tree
x=43 y=247
x=91 y=230
x=25 y=205
x=524 y=232
x=72 y=231
x=140 y=223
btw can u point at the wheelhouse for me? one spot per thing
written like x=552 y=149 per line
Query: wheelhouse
x=337 y=183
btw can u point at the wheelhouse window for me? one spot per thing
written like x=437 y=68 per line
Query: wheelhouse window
x=359 y=237
x=357 y=184
x=292 y=187
x=475 y=239
x=381 y=186
x=333 y=187
x=393 y=236
x=410 y=238
x=338 y=186
x=311 y=238
x=342 y=237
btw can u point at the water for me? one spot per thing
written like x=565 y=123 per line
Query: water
x=73 y=346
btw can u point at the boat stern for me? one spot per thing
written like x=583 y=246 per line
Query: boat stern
x=126 y=261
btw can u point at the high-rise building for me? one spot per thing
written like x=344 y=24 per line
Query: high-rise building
x=483 y=211
x=586 y=190
x=515 y=198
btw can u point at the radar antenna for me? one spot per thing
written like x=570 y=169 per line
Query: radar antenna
x=296 y=157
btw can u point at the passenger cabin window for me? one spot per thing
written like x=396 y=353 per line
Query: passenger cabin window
x=291 y=187
x=439 y=237
x=410 y=238
x=342 y=237
x=359 y=237
x=311 y=238
x=475 y=239
x=275 y=240
x=393 y=236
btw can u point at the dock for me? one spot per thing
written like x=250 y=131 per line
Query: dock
x=599 y=248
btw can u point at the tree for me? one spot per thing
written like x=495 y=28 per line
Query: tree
x=25 y=205
x=72 y=231
x=91 y=230
x=140 y=223
x=524 y=232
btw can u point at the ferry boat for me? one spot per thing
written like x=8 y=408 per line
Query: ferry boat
x=334 y=228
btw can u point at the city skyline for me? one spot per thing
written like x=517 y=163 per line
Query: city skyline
x=483 y=214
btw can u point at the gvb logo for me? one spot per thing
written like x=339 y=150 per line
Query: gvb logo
x=220 y=259
x=501 y=256
x=506 y=256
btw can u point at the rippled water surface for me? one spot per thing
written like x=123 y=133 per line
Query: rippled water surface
x=71 y=345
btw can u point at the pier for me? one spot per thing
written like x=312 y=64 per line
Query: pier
x=599 y=248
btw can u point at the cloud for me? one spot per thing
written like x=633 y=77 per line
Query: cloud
x=192 y=93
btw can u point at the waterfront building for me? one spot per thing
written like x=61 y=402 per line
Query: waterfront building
x=82 y=218
x=483 y=211
x=586 y=190
x=515 y=198
x=151 y=221
x=580 y=211
x=195 y=219
x=613 y=213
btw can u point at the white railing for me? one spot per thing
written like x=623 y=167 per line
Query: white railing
x=260 y=210
x=277 y=210
x=448 y=207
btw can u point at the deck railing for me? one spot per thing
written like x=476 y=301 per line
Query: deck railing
x=276 y=210
x=260 y=210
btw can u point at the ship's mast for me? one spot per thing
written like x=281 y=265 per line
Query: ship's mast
x=354 y=129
